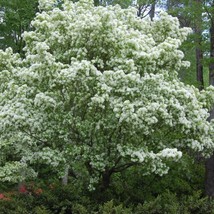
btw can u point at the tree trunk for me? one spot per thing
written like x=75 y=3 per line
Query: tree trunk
x=65 y=177
x=199 y=51
x=106 y=179
x=152 y=11
x=211 y=66
x=199 y=67
x=209 y=176
x=209 y=179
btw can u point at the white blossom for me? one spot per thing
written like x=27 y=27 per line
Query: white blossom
x=98 y=89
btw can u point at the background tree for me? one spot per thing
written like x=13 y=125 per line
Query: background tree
x=144 y=7
x=197 y=17
x=209 y=182
x=17 y=16
x=190 y=14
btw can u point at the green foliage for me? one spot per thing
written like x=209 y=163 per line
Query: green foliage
x=194 y=14
x=16 y=205
x=79 y=209
x=168 y=202
x=50 y=202
x=17 y=15
x=41 y=210
x=165 y=203
x=132 y=187
x=110 y=208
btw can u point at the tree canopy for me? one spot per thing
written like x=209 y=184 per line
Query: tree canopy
x=98 y=92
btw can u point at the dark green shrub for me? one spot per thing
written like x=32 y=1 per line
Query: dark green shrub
x=197 y=204
x=14 y=206
x=110 y=208
x=165 y=203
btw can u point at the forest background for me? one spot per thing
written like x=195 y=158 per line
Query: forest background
x=187 y=188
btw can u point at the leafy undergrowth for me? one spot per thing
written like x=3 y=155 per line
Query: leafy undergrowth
x=178 y=192
x=31 y=198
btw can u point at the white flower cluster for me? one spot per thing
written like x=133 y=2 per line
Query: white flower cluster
x=47 y=4
x=98 y=90
x=170 y=153
x=153 y=163
x=48 y=156
x=15 y=172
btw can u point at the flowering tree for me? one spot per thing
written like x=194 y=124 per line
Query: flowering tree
x=97 y=93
